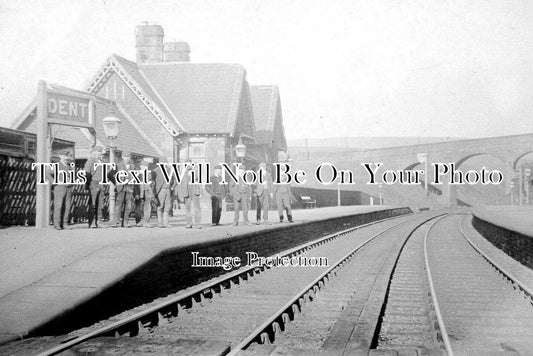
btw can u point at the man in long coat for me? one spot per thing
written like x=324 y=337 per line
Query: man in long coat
x=124 y=194
x=241 y=193
x=189 y=194
x=147 y=194
x=61 y=195
x=282 y=192
x=96 y=190
x=217 y=192
x=263 y=193
x=164 y=194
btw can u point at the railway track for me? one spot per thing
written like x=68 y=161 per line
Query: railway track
x=407 y=321
x=178 y=310
x=412 y=320
x=482 y=307
x=465 y=300
x=417 y=284
x=363 y=288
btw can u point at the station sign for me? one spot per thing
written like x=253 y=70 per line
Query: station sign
x=69 y=107
x=60 y=106
x=422 y=157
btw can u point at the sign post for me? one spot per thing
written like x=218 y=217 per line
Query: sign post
x=42 y=202
x=520 y=185
x=527 y=173
x=423 y=158
x=60 y=106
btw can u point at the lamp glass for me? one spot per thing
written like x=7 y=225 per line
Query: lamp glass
x=240 y=149
x=111 y=126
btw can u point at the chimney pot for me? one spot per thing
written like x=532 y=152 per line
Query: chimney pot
x=177 y=51
x=149 y=43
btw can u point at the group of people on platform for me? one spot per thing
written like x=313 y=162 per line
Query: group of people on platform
x=166 y=195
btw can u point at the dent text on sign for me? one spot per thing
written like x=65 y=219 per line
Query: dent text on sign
x=68 y=107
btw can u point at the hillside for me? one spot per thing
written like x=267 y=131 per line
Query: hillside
x=333 y=144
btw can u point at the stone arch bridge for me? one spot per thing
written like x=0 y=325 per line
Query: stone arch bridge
x=510 y=150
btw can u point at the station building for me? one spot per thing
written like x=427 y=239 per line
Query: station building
x=269 y=132
x=172 y=107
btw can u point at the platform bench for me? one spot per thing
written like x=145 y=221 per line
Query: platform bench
x=307 y=202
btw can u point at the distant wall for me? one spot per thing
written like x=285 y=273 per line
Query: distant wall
x=328 y=197
x=516 y=245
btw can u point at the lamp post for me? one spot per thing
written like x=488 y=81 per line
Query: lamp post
x=520 y=185
x=380 y=185
x=111 y=129
x=240 y=150
x=527 y=174
x=423 y=158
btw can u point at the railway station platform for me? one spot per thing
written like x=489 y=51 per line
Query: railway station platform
x=516 y=218
x=50 y=279
x=509 y=228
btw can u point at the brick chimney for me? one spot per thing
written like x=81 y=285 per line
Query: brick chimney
x=149 y=43
x=176 y=51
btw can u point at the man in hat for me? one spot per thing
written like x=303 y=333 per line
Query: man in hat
x=282 y=193
x=147 y=193
x=263 y=193
x=62 y=194
x=70 y=189
x=217 y=192
x=241 y=193
x=189 y=194
x=124 y=194
x=96 y=193
x=163 y=192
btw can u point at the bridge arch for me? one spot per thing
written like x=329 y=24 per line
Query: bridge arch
x=459 y=162
x=515 y=161
x=411 y=166
x=483 y=194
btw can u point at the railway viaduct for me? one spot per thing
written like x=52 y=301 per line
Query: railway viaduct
x=510 y=150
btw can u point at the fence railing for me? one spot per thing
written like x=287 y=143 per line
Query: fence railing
x=17 y=195
x=18 y=190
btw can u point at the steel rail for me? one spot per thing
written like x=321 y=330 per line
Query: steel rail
x=499 y=268
x=298 y=299
x=440 y=321
x=152 y=315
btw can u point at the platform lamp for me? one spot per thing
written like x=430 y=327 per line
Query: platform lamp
x=527 y=174
x=240 y=150
x=111 y=129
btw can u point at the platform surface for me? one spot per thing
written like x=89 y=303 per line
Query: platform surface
x=517 y=218
x=45 y=272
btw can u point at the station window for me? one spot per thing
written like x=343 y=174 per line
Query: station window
x=197 y=151
x=32 y=147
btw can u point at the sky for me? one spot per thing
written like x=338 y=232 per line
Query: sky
x=344 y=68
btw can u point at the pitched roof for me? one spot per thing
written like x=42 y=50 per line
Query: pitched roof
x=197 y=98
x=131 y=138
x=128 y=72
x=133 y=71
x=268 y=116
x=204 y=98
